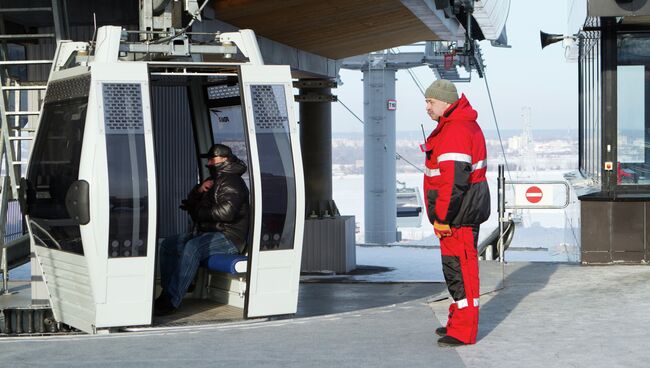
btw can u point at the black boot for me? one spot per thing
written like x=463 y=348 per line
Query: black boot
x=441 y=331
x=161 y=300
x=449 y=341
x=163 y=305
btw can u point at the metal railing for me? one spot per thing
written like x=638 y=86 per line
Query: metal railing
x=13 y=230
x=11 y=138
x=503 y=205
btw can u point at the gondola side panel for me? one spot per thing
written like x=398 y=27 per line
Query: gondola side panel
x=53 y=167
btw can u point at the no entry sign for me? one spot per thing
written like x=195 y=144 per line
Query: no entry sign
x=534 y=194
x=537 y=194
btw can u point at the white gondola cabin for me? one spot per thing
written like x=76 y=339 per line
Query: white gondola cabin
x=409 y=206
x=117 y=149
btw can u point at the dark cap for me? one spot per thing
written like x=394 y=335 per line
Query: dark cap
x=218 y=150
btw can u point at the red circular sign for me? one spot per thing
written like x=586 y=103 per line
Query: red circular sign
x=534 y=194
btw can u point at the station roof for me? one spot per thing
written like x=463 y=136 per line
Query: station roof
x=338 y=28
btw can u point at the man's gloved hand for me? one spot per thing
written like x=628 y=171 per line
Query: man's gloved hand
x=441 y=230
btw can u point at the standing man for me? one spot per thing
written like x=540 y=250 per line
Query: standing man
x=458 y=201
x=220 y=210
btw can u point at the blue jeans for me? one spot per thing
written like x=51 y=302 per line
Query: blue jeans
x=180 y=256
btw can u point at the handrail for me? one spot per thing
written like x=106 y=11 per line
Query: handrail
x=8 y=148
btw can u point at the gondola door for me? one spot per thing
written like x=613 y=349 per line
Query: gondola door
x=278 y=201
x=122 y=174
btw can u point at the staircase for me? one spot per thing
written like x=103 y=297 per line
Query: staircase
x=20 y=100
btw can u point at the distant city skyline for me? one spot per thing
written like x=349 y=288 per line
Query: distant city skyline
x=521 y=76
x=542 y=134
x=549 y=150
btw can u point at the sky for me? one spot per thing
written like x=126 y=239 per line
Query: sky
x=518 y=77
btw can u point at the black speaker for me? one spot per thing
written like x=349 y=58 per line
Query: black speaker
x=548 y=38
x=618 y=8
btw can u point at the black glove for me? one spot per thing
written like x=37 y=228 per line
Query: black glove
x=185 y=206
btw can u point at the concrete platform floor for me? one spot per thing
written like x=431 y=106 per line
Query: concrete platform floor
x=548 y=315
x=555 y=315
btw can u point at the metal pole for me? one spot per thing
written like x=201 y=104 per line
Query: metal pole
x=379 y=154
x=316 y=140
x=489 y=253
x=5 y=273
x=469 y=41
x=5 y=147
x=57 y=20
x=501 y=208
x=3 y=215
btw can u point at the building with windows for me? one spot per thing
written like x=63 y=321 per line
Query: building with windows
x=613 y=38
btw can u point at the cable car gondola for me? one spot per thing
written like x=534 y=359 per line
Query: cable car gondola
x=117 y=149
x=409 y=206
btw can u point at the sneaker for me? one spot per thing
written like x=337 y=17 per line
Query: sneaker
x=449 y=341
x=441 y=331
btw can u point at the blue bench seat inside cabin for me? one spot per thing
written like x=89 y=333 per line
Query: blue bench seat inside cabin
x=234 y=264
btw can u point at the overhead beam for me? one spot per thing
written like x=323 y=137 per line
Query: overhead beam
x=334 y=28
x=303 y=64
x=446 y=28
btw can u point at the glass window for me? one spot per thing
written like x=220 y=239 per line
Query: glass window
x=127 y=170
x=631 y=113
x=276 y=166
x=633 y=82
x=590 y=105
x=227 y=120
x=54 y=165
x=228 y=128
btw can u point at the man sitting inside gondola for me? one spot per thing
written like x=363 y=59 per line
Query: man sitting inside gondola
x=219 y=207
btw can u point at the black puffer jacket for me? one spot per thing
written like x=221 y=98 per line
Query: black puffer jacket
x=225 y=207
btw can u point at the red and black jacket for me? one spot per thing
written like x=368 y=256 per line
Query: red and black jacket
x=455 y=186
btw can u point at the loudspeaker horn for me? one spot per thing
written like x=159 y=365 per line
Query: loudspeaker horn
x=548 y=38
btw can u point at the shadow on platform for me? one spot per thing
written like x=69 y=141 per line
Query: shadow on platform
x=533 y=276
x=323 y=298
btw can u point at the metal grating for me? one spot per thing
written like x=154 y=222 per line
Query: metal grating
x=67 y=89
x=14 y=221
x=123 y=108
x=329 y=245
x=223 y=91
x=270 y=108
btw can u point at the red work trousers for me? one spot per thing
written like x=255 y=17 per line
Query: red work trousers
x=460 y=267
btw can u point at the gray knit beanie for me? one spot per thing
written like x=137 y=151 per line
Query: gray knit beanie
x=442 y=90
